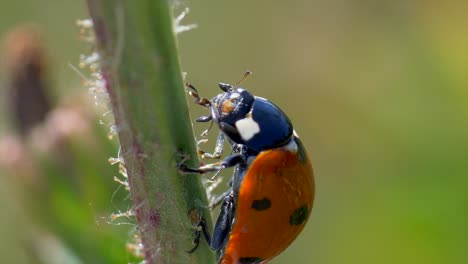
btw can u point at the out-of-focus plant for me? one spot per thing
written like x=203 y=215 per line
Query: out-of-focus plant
x=54 y=167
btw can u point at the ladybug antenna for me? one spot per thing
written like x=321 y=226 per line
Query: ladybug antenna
x=246 y=74
x=226 y=87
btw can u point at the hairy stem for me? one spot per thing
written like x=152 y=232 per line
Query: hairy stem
x=140 y=66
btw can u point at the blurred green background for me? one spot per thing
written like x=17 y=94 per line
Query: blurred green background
x=377 y=90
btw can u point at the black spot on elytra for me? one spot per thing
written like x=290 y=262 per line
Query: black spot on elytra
x=250 y=260
x=262 y=204
x=299 y=215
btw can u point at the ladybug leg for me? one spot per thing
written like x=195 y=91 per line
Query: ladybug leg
x=219 y=199
x=223 y=223
x=222 y=226
x=194 y=93
x=221 y=229
x=203 y=102
x=228 y=128
x=205 y=132
x=218 y=149
x=203 y=119
x=201 y=229
x=229 y=161
x=196 y=242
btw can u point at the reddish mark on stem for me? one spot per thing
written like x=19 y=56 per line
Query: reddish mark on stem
x=100 y=31
x=154 y=219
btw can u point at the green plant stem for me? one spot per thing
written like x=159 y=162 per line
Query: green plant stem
x=140 y=66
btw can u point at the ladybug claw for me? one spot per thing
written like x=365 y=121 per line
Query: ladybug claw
x=184 y=169
x=194 y=247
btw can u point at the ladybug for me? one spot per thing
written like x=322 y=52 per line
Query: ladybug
x=272 y=188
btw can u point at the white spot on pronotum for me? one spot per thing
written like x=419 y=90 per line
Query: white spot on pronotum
x=240 y=90
x=247 y=128
x=291 y=146
x=295 y=134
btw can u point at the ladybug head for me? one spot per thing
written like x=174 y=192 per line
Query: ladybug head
x=230 y=107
